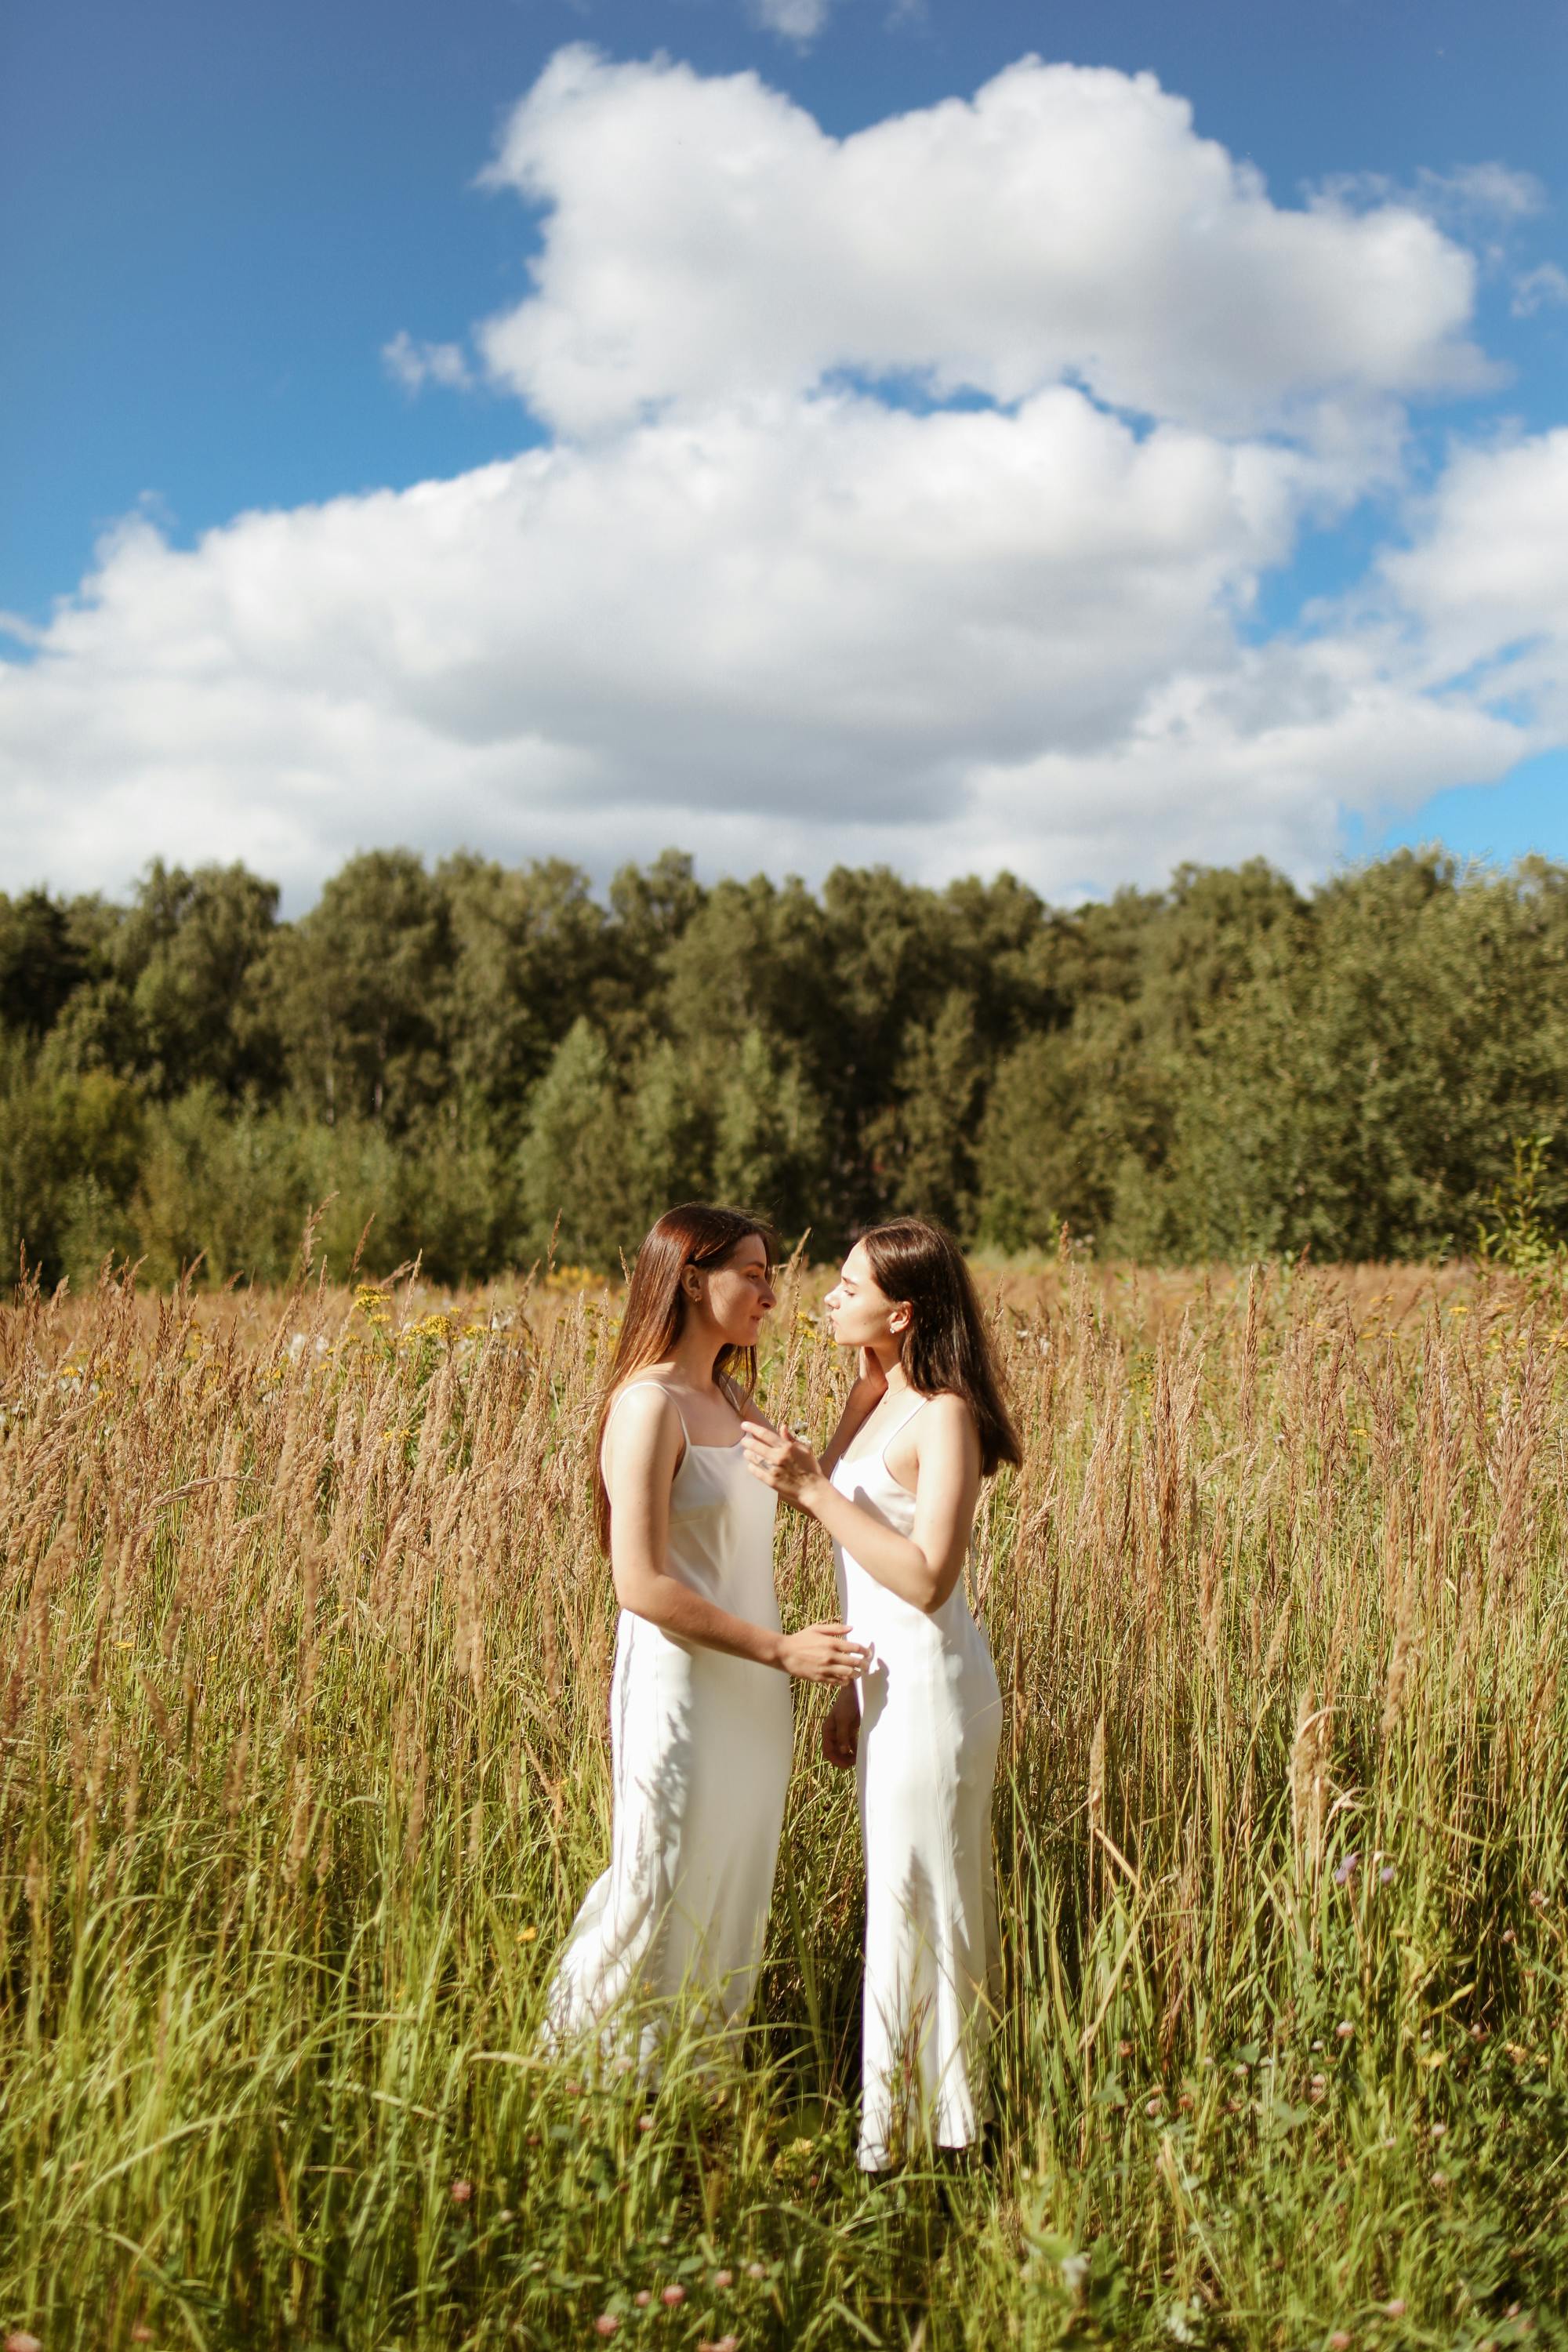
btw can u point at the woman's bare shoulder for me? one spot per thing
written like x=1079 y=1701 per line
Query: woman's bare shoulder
x=643 y=1411
x=947 y=1417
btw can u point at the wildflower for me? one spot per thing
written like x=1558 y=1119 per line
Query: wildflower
x=1346 y=1870
x=1385 y=1876
x=756 y=2271
x=1152 y=2108
x=1397 y=2307
x=461 y=2191
x=20 y=2341
x=1439 y=2180
x=1345 y=2029
x=1538 y=1900
x=643 y=2297
x=672 y=2295
x=723 y=2279
x=1340 y=2341
x=606 y=2324
x=526 y=1934
x=1509 y=1936
x=141 y=2332
x=645 y=2123
x=1124 y=2049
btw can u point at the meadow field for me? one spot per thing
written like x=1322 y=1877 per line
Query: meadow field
x=304 y=1653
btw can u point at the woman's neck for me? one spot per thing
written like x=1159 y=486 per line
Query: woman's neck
x=694 y=1356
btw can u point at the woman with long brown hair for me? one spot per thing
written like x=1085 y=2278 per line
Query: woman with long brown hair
x=700 y=1704
x=928 y=1423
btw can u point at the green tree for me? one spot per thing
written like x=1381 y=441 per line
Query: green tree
x=43 y=961
x=189 y=953
x=925 y=1144
x=71 y=1146
x=767 y=1147
x=530 y=951
x=577 y=1177
x=360 y=991
x=669 y=1133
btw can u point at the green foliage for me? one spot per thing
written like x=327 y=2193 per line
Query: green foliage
x=1226 y=1069
x=576 y=1164
x=1519 y=1240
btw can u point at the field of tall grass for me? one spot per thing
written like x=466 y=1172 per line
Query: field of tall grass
x=304 y=1653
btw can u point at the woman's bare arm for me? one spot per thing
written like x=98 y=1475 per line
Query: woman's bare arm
x=923 y=1567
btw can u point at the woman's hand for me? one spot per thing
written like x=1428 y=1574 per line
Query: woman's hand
x=784 y=1462
x=841 y=1731
x=823 y=1653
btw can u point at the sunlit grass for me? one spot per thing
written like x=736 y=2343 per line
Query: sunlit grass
x=304 y=1649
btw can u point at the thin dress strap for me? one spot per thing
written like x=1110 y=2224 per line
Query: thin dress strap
x=899 y=1427
x=625 y=1392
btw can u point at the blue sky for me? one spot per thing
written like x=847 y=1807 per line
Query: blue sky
x=219 y=222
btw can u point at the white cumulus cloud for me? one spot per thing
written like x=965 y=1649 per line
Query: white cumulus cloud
x=1486 y=582
x=706 y=240
x=752 y=602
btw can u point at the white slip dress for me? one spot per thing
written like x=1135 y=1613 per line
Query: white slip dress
x=931 y=1714
x=701 y=1753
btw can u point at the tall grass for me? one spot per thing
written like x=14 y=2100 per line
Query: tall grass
x=304 y=1649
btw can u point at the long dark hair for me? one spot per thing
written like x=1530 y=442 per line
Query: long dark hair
x=946 y=1352
x=654 y=1315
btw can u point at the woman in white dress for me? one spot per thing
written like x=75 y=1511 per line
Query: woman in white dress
x=700 y=1704
x=896 y=1490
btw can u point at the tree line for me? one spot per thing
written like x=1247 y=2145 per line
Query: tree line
x=470 y=1056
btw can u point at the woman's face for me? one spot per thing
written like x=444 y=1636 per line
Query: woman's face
x=860 y=1315
x=738 y=1293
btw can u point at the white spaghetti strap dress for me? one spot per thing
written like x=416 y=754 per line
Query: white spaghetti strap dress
x=700 y=1747
x=931 y=1716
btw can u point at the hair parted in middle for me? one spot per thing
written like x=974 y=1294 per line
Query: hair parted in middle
x=694 y=1233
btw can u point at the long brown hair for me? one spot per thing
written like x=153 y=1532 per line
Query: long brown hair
x=654 y=1315
x=946 y=1352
